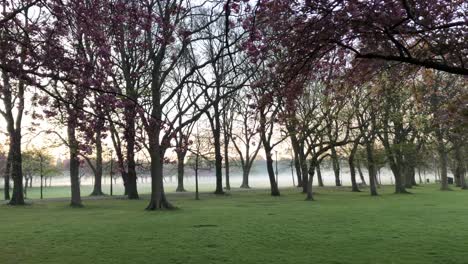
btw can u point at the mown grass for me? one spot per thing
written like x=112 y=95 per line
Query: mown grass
x=428 y=226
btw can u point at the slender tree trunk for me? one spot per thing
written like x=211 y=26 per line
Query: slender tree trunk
x=304 y=171
x=361 y=175
x=296 y=149
x=197 y=195
x=336 y=166
x=180 y=171
x=371 y=168
x=216 y=129
x=352 y=170
x=297 y=165
x=319 y=175
x=226 y=160
x=271 y=172
x=120 y=157
x=97 y=190
x=218 y=160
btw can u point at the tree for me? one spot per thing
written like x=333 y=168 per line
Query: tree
x=245 y=139
x=37 y=162
x=430 y=34
x=17 y=34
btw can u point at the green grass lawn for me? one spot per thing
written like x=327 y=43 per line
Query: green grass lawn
x=428 y=226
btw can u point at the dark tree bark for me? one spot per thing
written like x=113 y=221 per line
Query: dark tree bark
x=460 y=169
x=310 y=179
x=304 y=170
x=130 y=134
x=216 y=130
x=158 y=199
x=271 y=172
x=441 y=149
x=226 y=160
x=268 y=149
x=361 y=175
x=74 y=163
x=245 y=178
x=117 y=143
x=14 y=131
x=180 y=171
x=319 y=175
x=297 y=166
x=352 y=168
x=371 y=167
x=336 y=166
x=218 y=159
x=296 y=148
x=7 y=174
x=97 y=189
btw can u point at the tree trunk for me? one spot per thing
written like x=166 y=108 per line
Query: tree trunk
x=399 y=183
x=304 y=171
x=310 y=179
x=158 y=197
x=132 y=190
x=271 y=172
x=16 y=168
x=116 y=142
x=297 y=165
x=180 y=171
x=371 y=168
x=352 y=170
x=217 y=147
x=319 y=175
x=361 y=175
x=336 y=166
x=6 y=187
x=97 y=190
x=226 y=161
x=460 y=165
x=74 y=164
x=442 y=159
x=296 y=149
x=408 y=177
x=245 y=177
